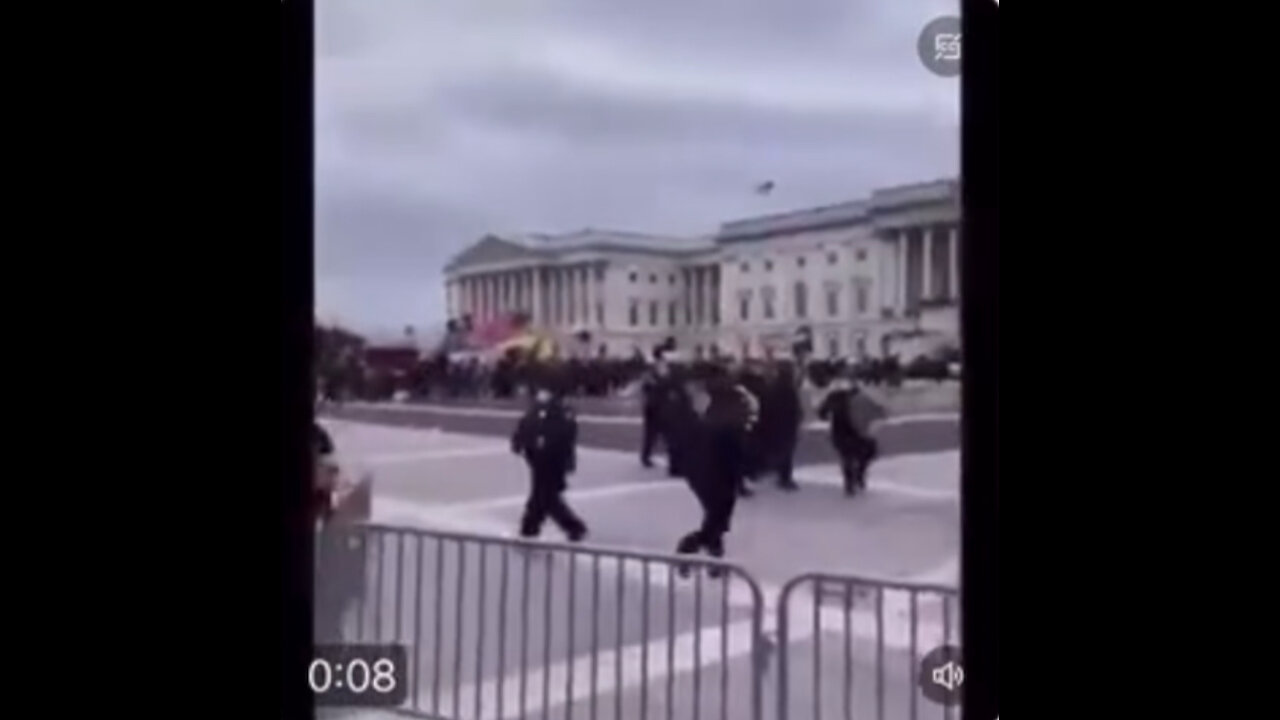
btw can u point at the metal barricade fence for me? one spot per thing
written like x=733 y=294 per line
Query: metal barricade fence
x=884 y=628
x=500 y=628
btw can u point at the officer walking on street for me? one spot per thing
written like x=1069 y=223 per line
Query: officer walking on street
x=678 y=417
x=851 y=413
x=749 y=455
x=547 y=438
x=785 y=413
x=715 y=466
x=654 y=387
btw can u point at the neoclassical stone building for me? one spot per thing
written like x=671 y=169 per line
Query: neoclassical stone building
x=871 y=276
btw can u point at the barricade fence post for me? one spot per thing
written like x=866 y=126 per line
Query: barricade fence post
x=502 y=628
x=884 y=630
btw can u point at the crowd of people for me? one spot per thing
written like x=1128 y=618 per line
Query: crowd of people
x=440 y=378
x=722 y=427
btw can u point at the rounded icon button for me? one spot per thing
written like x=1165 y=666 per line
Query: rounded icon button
x=942 y=675
x=939 y=46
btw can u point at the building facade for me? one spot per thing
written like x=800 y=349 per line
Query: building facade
x=867 y=278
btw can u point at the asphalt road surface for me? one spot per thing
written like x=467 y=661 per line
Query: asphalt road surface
x=587 y=634
x=619 y=429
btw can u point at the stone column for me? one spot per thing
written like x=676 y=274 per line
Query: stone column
x=926 y=264
x=900 y=305
x=557 y=297
x=715 y=294
x=593 y=293
x=703 y=315
x=548 y=295
x=572 y=282
x=586 y=295
x=533 y=286
x=953 y=252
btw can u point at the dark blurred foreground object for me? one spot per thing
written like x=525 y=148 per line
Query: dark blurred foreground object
x=342 y=509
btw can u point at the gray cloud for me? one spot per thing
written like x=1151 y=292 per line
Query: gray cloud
x=439 y=121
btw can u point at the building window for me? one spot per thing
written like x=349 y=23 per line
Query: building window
x=744 y=305
x=862 y=290
x=715 y=312
x=768 y=265
x=633 y=276
x=671 y=313
x=633 y=314
x=671 y=279
x=653 y=312
x=833 y=301
x=802 y=300
x=572 y=309
x=861 y=344
x=800 y=261
x=600 y=313
x=600 y=273
x=688 y=312
x=833 y=347
x=767 y=298
x=653 y=279
x=861 y=254
x=831 y=258
x=744 y=268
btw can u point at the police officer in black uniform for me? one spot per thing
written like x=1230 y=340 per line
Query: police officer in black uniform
x=715 y=465
x=655 y=389
x=782 y=407
x=679 y=420
x=547 y=438
x=851 y=413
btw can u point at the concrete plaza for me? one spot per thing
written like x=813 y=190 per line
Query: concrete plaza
x=497 y=631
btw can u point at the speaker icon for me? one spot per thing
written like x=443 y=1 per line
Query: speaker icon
x=941 y=675
x=949 y=676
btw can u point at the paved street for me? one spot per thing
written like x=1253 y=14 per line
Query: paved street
x=619 y=635
x=921 y=433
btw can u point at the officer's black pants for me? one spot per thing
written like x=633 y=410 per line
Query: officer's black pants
x=785 y=458
x=546 y=500
x=717 y=510
x=856 y=453
x=652 y=430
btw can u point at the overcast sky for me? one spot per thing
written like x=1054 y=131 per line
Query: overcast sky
x=440 y=120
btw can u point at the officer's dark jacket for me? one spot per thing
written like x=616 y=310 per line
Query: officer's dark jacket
x=836 y=407
x=716 y=442
x=783 y=404
x=655 y=389
x=676 y=410
x=547 y=437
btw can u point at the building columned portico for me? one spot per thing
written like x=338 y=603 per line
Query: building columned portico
x=868 y=277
